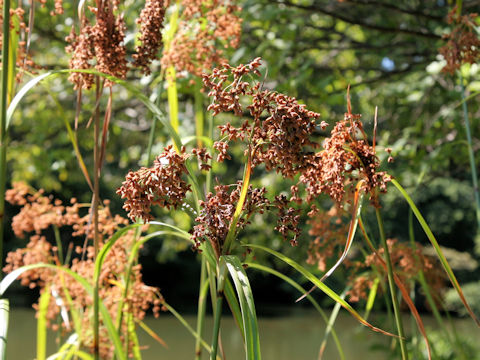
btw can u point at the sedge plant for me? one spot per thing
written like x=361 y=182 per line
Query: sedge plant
x=96 y=290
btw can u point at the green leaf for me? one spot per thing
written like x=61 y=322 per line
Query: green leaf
x=311 y=277
x=247 y=305
x=24 y=90
x=114 y=337
x=42 y=323
x=436 y=246
x=132 y=334
x=357 y=208
x=4 y=313
x=135 y=92
x=308 y=296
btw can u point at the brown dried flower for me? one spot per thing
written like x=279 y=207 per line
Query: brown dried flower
x=160 y=185
x=329 y=230
x=213 y=222
x=102 y=42
x=282 y=139
x=46 y=211
x=463 y=43
x=288 y=219
x=346 y=158
x=206 y=27
x=151 y=22
x=407 y=263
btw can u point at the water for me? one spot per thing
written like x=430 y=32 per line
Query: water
x=295 y=335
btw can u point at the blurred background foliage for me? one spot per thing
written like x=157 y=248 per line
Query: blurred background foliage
x=387 y=51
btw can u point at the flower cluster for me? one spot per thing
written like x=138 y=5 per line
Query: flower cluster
x=205 y=27
x=23 y=60
x=151 y=22
x=463 y=43
x=162 y=185
x=102 y=42
x=346 y=157
x=407 y=263
x=280 y=131
x=328 y=230
x=288 y=219
x=42 y=212
x=214 y=220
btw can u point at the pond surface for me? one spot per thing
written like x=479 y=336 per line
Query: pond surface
x=296 y=335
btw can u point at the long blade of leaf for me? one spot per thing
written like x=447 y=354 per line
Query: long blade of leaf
x=23 y=91
x=247 y=305
x=331 y=323
x=42 y=324
x=357 y=208
x=107 y=320
x=436 y=246
x=153 y=334
x=312 y=278
x=132 y=334
x=134 y=91
x=371 y=297
x=403 y=290
x=4 y=314
x=188 y=327
x=309 y=297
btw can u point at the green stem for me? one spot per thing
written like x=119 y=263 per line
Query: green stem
x=471 y=154
x=241 y=201
x=221 y=275
x=58 y=240
x=216 y=326
x=3 y=122
x=199 y=115
x=202 y=302
x=208 y=181
x=96 y=191
x=391 y=285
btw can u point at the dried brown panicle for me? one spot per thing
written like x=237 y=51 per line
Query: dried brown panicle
x=108 y=41
x=81 y=48
x=463 y=43
x=151 y=25
x=102 y=43
x=45 y=211
x=161 y=185
x=198 y=45
x=288 y=219
x=346 y=158
x=203 y=157
x=328 y=229
x=39 y=212
x=282 y=138
x=23 y=60
x=407 y=263
x=213 y=222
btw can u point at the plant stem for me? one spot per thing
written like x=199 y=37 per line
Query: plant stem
x=58 y=240
x=3 y=122
x=241 y=201
x=216 y=325
x=391 y=284
x=221 y=276
x=208 y=181
x=471 y=154
x=96 y=173
x=199 y=115
x=202 y=302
